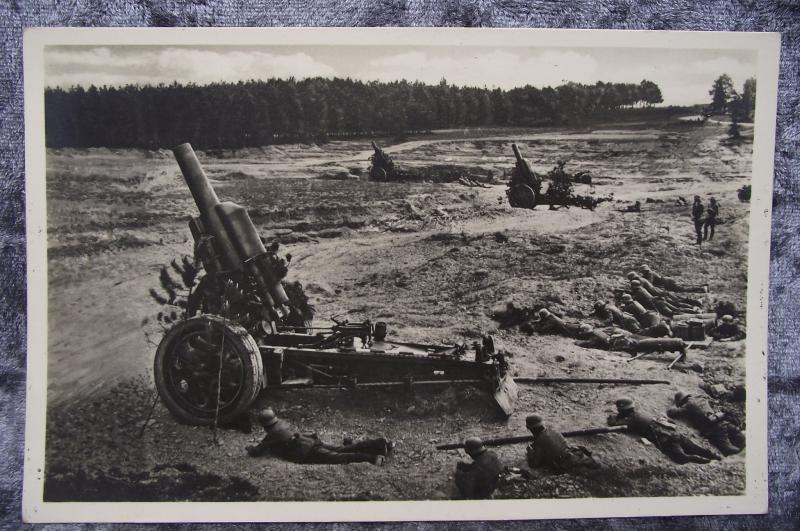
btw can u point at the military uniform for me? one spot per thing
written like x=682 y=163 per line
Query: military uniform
x=670 y=283
x=551 y=324
x=623 y=319
x=697 y=218
x=698 y=414
x=677 y=447
x=595 y=339
x=285 y=442
x=729 y=331
x=711 y=220
x=478 y=480
x=550 y=449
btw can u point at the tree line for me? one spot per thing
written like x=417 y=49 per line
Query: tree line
x=255 y=113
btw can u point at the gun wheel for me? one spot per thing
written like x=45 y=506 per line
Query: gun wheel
x=377 y=174
x=208 y=368
x=522 y=196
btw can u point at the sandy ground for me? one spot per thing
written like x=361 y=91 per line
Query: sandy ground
x=433 y=261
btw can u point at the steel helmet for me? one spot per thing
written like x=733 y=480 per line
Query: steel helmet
x=544 y=312
x=626 y=297
x=599 y=305
x=727 y=319
x=586 y=327
x=624 y=404
x=636 y=283
x=632 y=275
x=534 y=421
x=267 y=418
x=474 y=446
x=681 y=397
x=644 y=267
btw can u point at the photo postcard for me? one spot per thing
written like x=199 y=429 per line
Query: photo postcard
x=396 y=274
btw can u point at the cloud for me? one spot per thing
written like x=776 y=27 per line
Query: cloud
x=476 y=67
x=684 y=77
x=99 y=66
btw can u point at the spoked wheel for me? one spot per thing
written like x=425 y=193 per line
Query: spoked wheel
x=208 y=368
x=523 y=196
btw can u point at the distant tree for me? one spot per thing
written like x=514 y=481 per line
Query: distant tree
x=650 y=93
x=721 y=93
x=252 y=113
x=748 y=100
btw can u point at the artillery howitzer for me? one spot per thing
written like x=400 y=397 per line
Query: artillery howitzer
x=241 y=333
x=525 y=187
x=382 y=164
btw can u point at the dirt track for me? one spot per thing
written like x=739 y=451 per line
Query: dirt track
x=425 y=258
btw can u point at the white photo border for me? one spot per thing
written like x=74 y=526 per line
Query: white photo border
x=754 y=500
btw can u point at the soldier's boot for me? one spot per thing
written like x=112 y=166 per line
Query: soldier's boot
x=674 y=451
x=719 y=438
x=691 y=448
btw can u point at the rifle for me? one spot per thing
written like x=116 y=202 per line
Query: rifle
x=502 y=441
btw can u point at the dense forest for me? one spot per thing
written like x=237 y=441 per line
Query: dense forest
x=254 y=113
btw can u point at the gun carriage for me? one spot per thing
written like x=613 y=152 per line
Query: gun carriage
x=525 y=187
x=241 y=332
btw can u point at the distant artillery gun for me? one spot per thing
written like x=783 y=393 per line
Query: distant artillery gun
x=525 y=187
x=382 y=166
x=242 y=333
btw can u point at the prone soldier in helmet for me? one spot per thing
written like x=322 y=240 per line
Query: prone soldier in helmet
x=671 y=298
x=550 y=449
x=478 y=479
x=650 y=321
x=677 y=447
x=552 y=324
x=670 y=283
x=659 y=304
x=282 y=440
x=593 y=338
x=712 y=425
x=728 y=330
x=613 y=315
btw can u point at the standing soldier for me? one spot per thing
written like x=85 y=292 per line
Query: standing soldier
x=477 y=480
x=550 y=449
x=711 y=219
x=282 y=440
x=677 y=447
x=697 y=218
x=711 y=425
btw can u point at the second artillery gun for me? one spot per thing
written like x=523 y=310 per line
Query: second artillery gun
x=525 y=187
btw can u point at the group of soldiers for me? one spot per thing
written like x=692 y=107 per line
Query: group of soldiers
x=638 y=322
x=704 y=219
x=550 y=449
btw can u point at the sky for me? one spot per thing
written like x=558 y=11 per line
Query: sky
x=685 y=76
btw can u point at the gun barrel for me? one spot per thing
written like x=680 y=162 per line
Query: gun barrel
x=206 y=200
x=374 y=145
x=517 y=154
